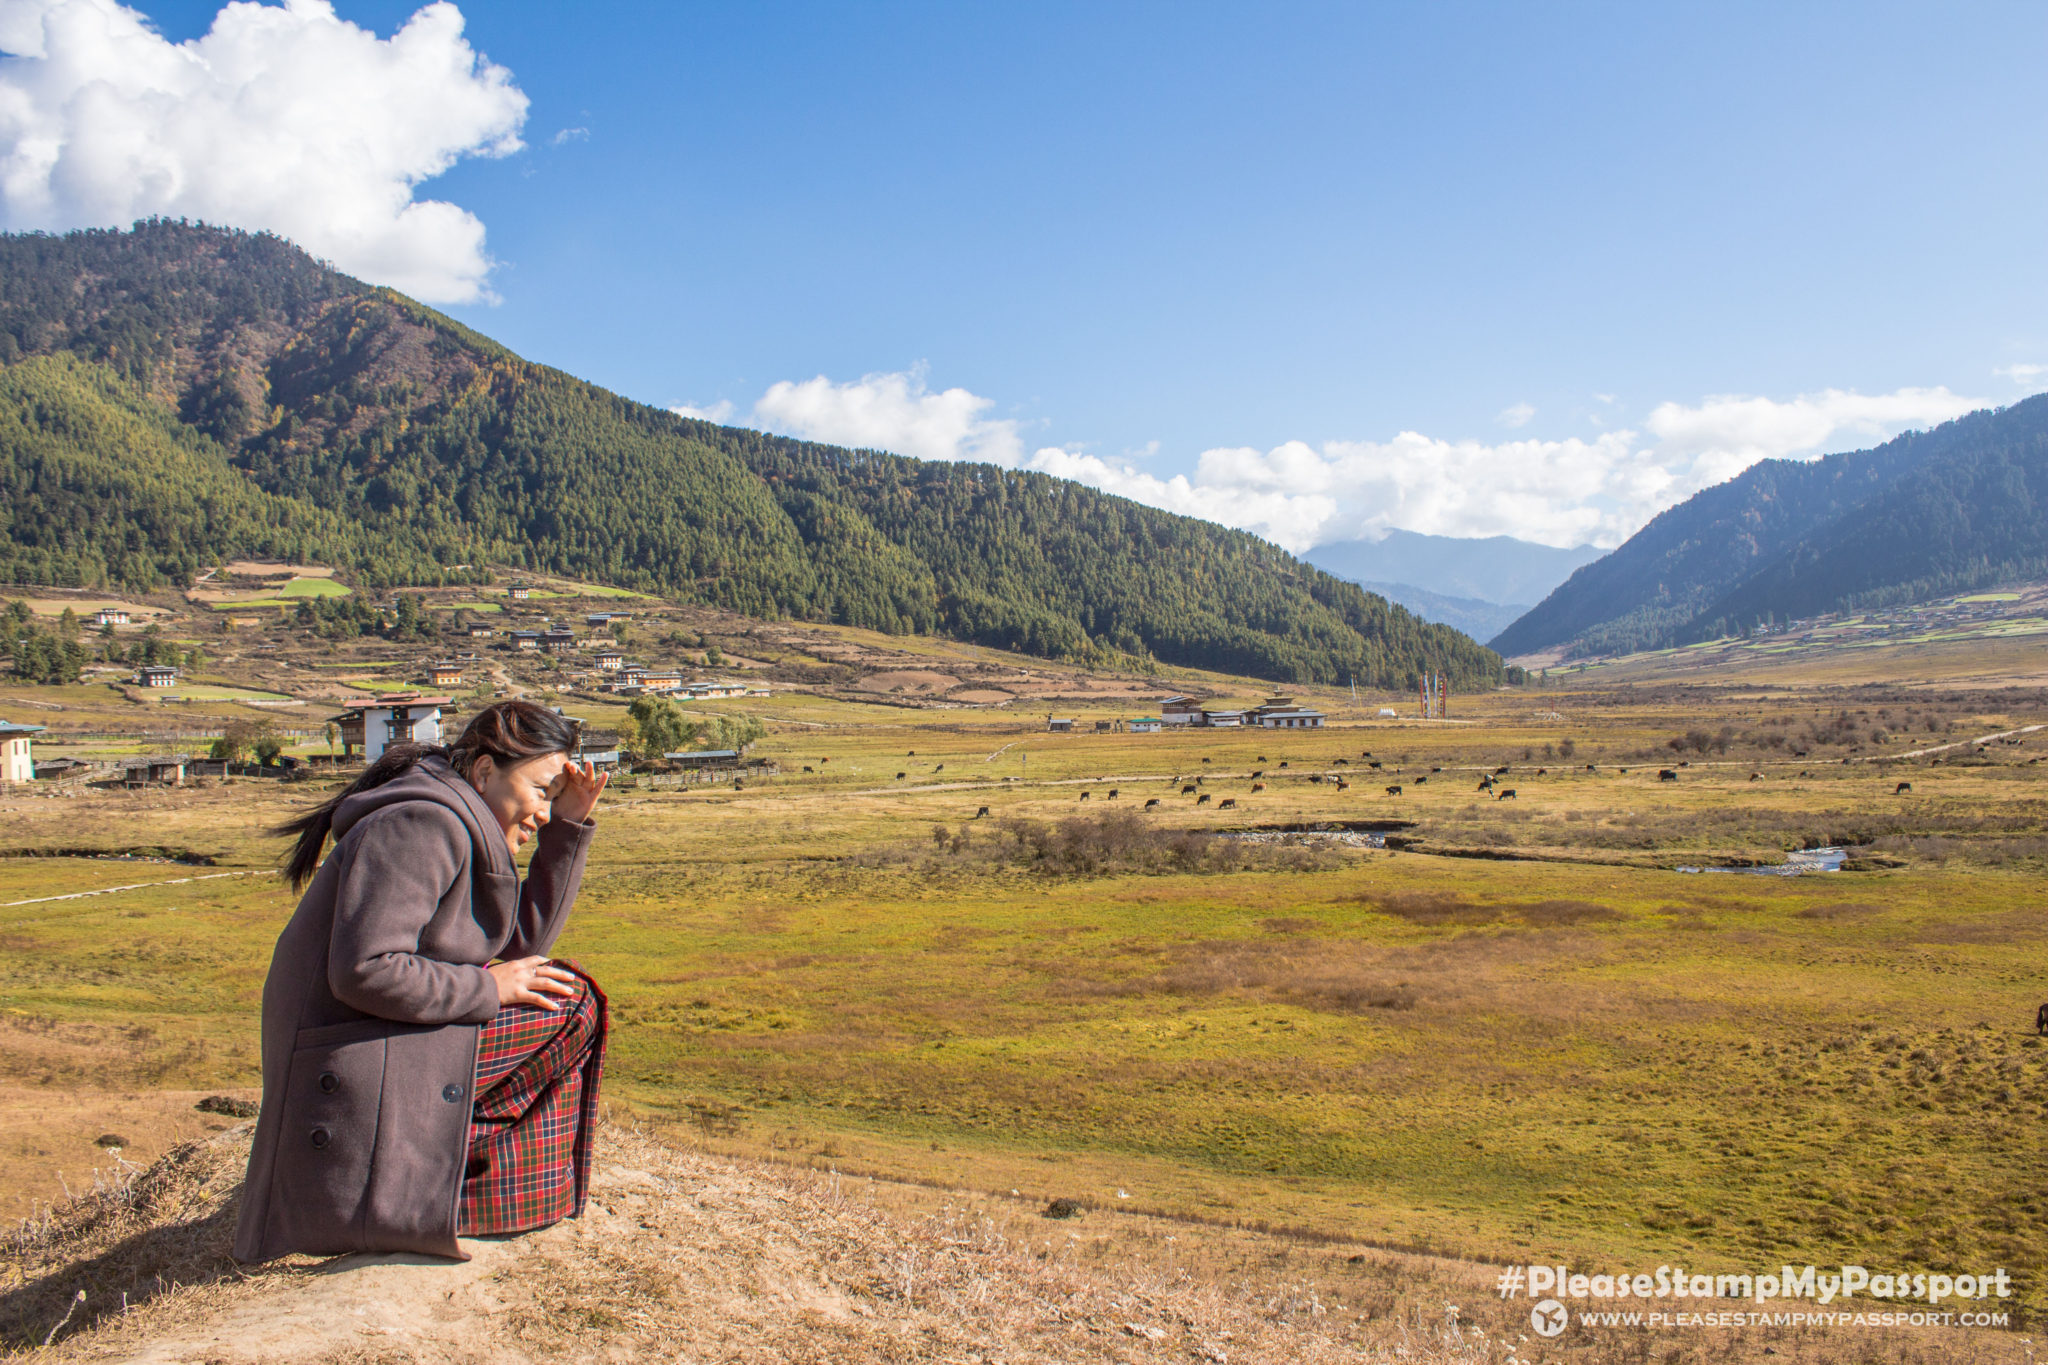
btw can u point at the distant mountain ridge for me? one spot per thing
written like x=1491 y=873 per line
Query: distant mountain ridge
x=1496 y=569
x=1476 y=618
x=177 y=395
x=1961 y=506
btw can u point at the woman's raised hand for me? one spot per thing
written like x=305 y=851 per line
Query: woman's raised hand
x=580 y=784
x=532 y=981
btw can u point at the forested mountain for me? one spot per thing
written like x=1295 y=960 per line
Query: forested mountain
x=1928 y=512
x=177 y=395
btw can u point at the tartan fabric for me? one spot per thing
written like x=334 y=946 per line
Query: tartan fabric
x=537 y=1073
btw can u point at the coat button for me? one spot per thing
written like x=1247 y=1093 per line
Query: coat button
x=320 y=1137
x=329 y=1082
x=453 y=1094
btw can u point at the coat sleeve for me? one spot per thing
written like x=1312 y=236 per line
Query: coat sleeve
x=549 y=892
x=406 y=859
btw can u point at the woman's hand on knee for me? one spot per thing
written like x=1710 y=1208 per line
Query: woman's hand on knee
x=532 y=981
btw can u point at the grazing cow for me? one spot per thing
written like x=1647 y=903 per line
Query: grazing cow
x=1084 y=796
x=1624 y=772
x=1591 y=768
x=1342 y=785
x=941 y=768
x=1283 y=762
x=1151 y=803
x=1202 y=781
x=911 y=754
x=1258 y=773
x=736 y=784
x=1420 y=780
x=901 y=776
x=1262 y=758
x=1506 y=794
x=1205 y=760
x=1394 y=790
x=1344 y=761
x=1228 y=803
x=1501 y=769
x=1902 y=787
x=1112 y=793
x=1437 y=769
x=1186 y=790
x=1258 y=786
x=1374 y=765
x=1685 y=763
x=1202 y=800
x=1315 y=777
x=1756 y=777
x=824 y=760
x=983 y=811
x=1485 y=784
x=1543 y=772
x=1666 y=775
x=808 y=768
x=2041 y=1020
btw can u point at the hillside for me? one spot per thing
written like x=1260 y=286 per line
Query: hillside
x=1492 y=569
x=362 y=429
x=1787 y=539
x=1477 y=618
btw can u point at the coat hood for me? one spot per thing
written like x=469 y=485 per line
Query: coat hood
x=432 y=779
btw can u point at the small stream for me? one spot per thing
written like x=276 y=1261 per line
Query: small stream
x=1796 y=863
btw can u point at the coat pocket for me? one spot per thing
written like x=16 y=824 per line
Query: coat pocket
x=328 y=1136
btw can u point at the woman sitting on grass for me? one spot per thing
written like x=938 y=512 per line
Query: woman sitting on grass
x=428 y=1073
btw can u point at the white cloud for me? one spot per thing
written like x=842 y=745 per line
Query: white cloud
x=569 y=135
x=2022 y=373
x=895 y=412
x=285 y=118
x=1517 y=416
x=1557 y=492
x=719 y=412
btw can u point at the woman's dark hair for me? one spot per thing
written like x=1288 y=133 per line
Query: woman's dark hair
x=509 y=732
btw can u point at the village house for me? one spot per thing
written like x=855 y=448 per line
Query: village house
x=1060 y=725
x=1145 y=725
x=610 y=660
x=558 y=641
x=1179 y=710
x=519 y=592
x=1223 y=720
x=62 y=767
x=446 y=674
x=374 y=724
x=478 y=630
x=110 y=616
x=526 y=639
x=156 y=675
x=1281 y=713
x=17 y=759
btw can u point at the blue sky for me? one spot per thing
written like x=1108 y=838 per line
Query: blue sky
x=1319 y=270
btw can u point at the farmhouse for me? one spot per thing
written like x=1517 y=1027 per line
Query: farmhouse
x=110 y=616
x=156 y=675
x=558 y=641
x=526 y=639
x=719 y=689
x=1146 y=725
x=705 y=758
x=17 y=763
x=1060 y=725
x=610 y=660
x=446 y=674
x=1179 y=710
x=1223 y=720
x=146 y=772
x=519 y=592
x=478 y=630
x=375 y=724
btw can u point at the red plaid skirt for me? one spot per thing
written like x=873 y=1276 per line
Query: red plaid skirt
x=537 y=1074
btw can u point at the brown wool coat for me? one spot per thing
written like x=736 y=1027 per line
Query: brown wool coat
x=371 y=1015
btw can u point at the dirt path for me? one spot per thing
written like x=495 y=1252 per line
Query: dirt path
x=136 y=886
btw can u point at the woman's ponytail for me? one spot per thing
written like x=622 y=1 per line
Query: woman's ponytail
x=312 y=827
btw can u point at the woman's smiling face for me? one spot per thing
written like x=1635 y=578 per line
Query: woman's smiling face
x=520 y=794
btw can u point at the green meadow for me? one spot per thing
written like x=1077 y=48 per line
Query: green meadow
x=1526 y=1034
